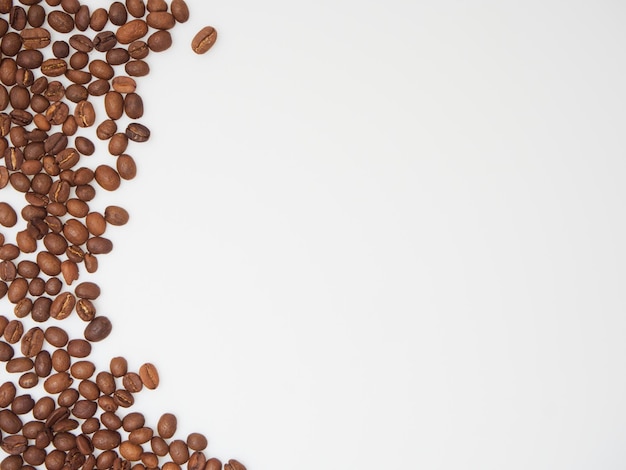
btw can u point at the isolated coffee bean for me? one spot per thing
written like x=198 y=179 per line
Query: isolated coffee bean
x=167 y=425
x=149 y=376
x=204 y=40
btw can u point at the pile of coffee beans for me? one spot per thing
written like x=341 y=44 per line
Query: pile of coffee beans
x=68 y=78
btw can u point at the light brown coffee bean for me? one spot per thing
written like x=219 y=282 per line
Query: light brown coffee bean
x=107 y=178
x=180 y=10
x=82 y=369
x=61 y=360
x=197 y=441
x=167 y=425
x=79 y=348
x=234 y=465
x=179 y=452
x=105 y=439
x=131 y=31
x=56 y=336
x=32 y=342
x=204 y=40
x=150 y=377
x=58 y=382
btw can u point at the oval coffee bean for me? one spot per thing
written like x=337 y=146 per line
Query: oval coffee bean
x=204 y=40
x=8 y=216
x=98 y=329
x=131 y=31
x=166 y=426
x=137 y=132
x=149 y=376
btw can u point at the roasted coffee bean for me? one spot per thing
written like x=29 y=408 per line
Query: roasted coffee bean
x=79 y=348
x=7 y=394
x=167 y=425
x=60 y=21
x=19 y=364
x=85 y=114
x=107 y=178
x=53 y=286
x=234 y=465
x=13 y=445
x=85 y=310
x=36 y=15
x=132 y=382
x=6 y=351
x=137 y=68
x=204 y=40
x=197 y=461
x=118 y=144
x=78 y=76
x=82 y=18
x=137 y=132
x=81 y=43
x=101 y=69
x=76 y=93
x=123 y=398
x=160 y=41
x=69 y=270
x=105 y=439
x=13 y=331
x=17 y=18
x=61 y=360
x=138 y=49
x=159 y=446
x=156 y=5
x=99 y=19
x=49 y=263
x=35 y=38
x=114 y=105
x=105 y=41
x=82 y=369
x=126 y=167
x=149 y=376
x=179 y=452
x=79 y=60
x=58 y=382
x=117 y=13
x=180 y=10
x=98 y=329
x=8 y=217
x=28 y=380
x=75 y=232
x=43 y=408
x=62 y=306
x=32 y=342
x=11 y=44
x=43 y=364
x=117 y=56
x=28 y=269
x=197 y=441
x=87 y=290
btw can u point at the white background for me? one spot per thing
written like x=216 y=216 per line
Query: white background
x=382 y=235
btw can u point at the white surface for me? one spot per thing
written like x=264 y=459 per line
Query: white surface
x=383 y=235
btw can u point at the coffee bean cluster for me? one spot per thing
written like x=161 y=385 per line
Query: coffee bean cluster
x=68 y=79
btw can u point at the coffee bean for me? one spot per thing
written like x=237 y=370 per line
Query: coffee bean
x=204 y=40
x=82 y=18
x=85 y=114
x=137 y=132
x=57 y=382
x=234 y=465
x=131 y=31
x=61 y=360
x=138 y=49
x=62 y=306
x=98 y=329
x=167 y=425
x=118 y=144
x=137 y=68
x=106 y=439
x=79 y=348
x=156 y=5
x=179 y=452
x=160 y=41
x=197 y=441
x=12 y=445
x=180 y=10
x=32 y=342
x=107 y=178
x=60 y=21
x=35 y=38
x=8 y=217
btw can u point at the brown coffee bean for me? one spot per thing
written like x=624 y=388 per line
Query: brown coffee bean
x=91 y=263
x=159 y=446
x=85 y=310
x=85 y=192
x=104 y=41
x=106 y=382
x=180 y=10
x=107 y=178
x=68 y=157
x=132 y=382
x=19 y=364
x=197 y=441
x=8 y=271
x=126 y=167
x=8 y=217
x=55 y=243
x=179 y=452
x=138 y=49
x=204 y=40
x=117 y=13
x=12 y=445
x=49 y=263
x=123 y=84
x=82 y=369
x=114 y=105
x=149 y=376
x=156 y=5
x=98 y=329
x=137 y=68
x=9 y=251
x=234 y=465
x=32 y=342
x=43 y=407
x=87 y=290
x=118 y=144
x=61 y=360
x=62 y=306
x=101 y=69
x=99 y=19
x=166 y=426
x=56 y=336
x=75 y=232
x=81 y=43
x=60 y=21
x=82 y=18
x=105 y=439
x=36 y=15
x=85 y=114
x=17 y=18
x=7 y=394
x=133 y=106
x=132 y=421
x=84 y=409
x=6 y=352
x=67 y=398
x=137 y=132
x=43 y=364
x=58 y=382
x=13 y=331
x=10 y=44
x=69 y=270
x=123 y=398
x=131 y=31
x=130 y=451
x=79 y=348
x=117 y=56
x=160 y=41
